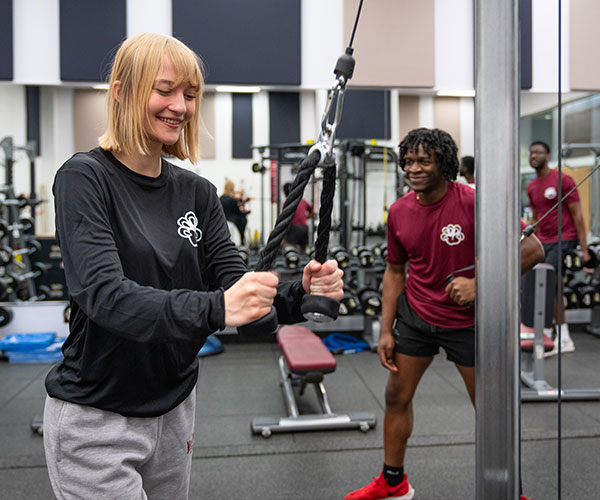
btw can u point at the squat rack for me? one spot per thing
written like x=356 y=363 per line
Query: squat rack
x=352 y=185
x=284 y=154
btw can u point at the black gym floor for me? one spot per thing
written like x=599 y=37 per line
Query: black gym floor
x=243 y=382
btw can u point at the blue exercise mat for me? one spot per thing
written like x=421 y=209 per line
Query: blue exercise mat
x=50 y=354
x=212 y=346
x=20 y=342
x=342 y=343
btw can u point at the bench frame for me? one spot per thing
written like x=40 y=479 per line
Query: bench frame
x=295 y=421
x=535 y=387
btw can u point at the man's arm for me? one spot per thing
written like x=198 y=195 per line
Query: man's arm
x=577 y=214
x=532 y=253
x=394 y=283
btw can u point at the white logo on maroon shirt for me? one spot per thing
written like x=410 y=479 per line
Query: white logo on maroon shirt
x=452 y=234
x=550 y=193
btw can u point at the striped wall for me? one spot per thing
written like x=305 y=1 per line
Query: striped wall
x=398 y=44
x=406 y=51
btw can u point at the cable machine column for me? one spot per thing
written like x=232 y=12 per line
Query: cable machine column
x=497 y=219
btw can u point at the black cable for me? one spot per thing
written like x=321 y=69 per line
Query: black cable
x=355 y=25
x=559 y=270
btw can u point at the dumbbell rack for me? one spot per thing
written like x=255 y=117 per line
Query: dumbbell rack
x=582 y=291
x=17 y=274
x=15 y=239
x=593 y=327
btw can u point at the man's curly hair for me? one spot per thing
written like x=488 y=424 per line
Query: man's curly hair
x=432 y=140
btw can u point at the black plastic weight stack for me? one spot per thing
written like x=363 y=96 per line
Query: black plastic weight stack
x=53 y=281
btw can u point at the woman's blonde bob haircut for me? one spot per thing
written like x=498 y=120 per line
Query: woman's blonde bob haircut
x=136 y=65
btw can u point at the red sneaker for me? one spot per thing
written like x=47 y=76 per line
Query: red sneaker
x=523 y=497
x=380 y=489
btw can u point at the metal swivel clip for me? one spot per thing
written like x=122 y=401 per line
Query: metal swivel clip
x=343 y=71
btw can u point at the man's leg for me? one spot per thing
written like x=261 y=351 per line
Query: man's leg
x=468 y=375
x=551 y=258
x=398 y=419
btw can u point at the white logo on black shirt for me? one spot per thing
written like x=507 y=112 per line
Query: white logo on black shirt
x=452 y=234
x=188 y=228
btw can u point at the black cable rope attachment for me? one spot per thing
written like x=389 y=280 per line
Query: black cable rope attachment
x=268 y=324
x=315 y=307
x=269 y=253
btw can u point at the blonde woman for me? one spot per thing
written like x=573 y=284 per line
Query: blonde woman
x=231 y=207
x=151 y=272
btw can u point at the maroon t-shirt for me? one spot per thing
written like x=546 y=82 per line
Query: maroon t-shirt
x=543 y=196
x=300 y=216
x=436 y=240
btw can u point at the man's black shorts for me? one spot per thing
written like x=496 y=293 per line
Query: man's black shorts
x=551 y=250
x=297 y=235
x=415 y=337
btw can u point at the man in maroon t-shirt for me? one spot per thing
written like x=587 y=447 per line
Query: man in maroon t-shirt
x=431 y=230
x=298 y=231
x=543 y=196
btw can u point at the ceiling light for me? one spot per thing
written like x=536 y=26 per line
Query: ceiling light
x=456 y=93
x=236 y=88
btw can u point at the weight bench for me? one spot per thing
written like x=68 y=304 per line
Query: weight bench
x=305 y=360
x=537 y=312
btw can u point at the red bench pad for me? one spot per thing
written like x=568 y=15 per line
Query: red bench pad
x=304 y=351
x=527 y=339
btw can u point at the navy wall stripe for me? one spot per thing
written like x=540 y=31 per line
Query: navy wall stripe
x=90 y=33
x=241 y=41
x=366 y=115
x=242 y=126
x=284 y=117
x=525 y=28
x=32 y=99
x=6 y=40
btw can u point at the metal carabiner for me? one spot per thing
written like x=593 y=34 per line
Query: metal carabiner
x=343 y=72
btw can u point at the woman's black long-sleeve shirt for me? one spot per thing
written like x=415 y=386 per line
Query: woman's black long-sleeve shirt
x=146 y=262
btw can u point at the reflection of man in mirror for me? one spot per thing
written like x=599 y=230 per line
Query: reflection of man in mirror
x=298 y=232
x=543 y=195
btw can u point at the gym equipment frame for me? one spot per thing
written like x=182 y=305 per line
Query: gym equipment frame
x=305 y=360
x=539 y=284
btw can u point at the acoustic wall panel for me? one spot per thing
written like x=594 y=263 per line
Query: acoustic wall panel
x=584 y=45
x=241 y=41
x=284 y=117
x=6 y=40
x=32 y=100
x=89 y=117
x=90 y=33
x=242 y=126
x=408 y=114
x=446 y=116
x=525 y=31
x=208 y=149
x=366 y=115
x=394 y=42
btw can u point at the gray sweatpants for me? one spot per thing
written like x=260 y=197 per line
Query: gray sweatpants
x=96 y=454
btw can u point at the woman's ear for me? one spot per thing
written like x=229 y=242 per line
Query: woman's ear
x=116 y=88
